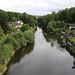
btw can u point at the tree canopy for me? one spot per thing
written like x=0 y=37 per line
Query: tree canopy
x=3 y=21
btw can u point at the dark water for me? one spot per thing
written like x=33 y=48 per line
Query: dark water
x=44 y=57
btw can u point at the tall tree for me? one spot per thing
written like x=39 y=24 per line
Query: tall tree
x=73 y=17
x=3 y=21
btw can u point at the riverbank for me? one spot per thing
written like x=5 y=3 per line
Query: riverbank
x=71 y=44
x=65 y=39
x=11 y=43
x=44 y=57
x=4 y=67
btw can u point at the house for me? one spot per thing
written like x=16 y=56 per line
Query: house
x=72 y=26
x=16 y=24
x=20 y=22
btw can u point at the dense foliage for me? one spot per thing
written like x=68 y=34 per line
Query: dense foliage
x=29 y=35
x=1 y=32
x=66 y=15
x=12 y=38
x=20 y=38
x=24 y=27
x=55 y=26
x=10 y=43
x=6 y=17
x=3 y=21
x=12 y=28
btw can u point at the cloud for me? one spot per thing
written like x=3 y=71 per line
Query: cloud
x=36 y=7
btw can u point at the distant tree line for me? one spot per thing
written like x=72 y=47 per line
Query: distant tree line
x=15 y=16
x=66 y=15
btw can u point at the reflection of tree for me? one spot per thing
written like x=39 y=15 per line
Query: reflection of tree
x=50 y=38
x=73 y=64
x=21 y=53
x=52 y=44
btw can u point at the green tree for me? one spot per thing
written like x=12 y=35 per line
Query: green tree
x=10 y=16
x=8 y=39
x=29 y=35
x=49 y=29
x=73 y=17
x=3 y=21
x=20 y=38
x=1 y=32
x=12 y=28
x=24 y=27
x=14 y=19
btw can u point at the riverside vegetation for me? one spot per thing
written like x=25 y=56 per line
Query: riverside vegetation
x=56 y=23
x=11 y=41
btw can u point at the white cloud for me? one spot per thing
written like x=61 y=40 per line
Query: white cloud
x=36 y=7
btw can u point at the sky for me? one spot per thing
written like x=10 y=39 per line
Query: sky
x=36 y=7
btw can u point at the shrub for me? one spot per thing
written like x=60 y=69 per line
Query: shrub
x=49 y=29
x=1 y=32
x=20 y=38
x=24 y=27
x=32 y=29
x=29 y=35
x=12 y=28
x=10 y=40
x=6 y=51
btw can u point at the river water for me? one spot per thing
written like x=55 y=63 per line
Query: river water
x=44 y=57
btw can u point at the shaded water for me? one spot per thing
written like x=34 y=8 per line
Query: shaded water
x=44 y=57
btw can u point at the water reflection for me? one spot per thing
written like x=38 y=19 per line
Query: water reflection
x=73 y=64
x=19 y=55
x=46 y=57
x=50 y=38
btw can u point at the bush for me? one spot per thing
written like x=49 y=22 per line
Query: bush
x=29 y=35
x=24 y=27
x=12 y=28
x=6 y=51
x=1 y=32
x=10 y=40
x=49 y=29
x=57 y=24
x=20 y=38
x=32 y=29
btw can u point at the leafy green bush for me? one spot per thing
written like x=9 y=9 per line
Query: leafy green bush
x=12 y=28
x=1 y=32
x=56 y=26
x=6 y=51
x=49 y=29
x=20 y=38
x=29 y=35
x=24 y=27
x=8 y=39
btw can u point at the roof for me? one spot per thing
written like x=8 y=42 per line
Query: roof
x=9 y=23
x=15 y=23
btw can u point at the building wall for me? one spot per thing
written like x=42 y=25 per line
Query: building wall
x=18 y=26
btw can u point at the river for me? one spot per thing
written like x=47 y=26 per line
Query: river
x=44 y=57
